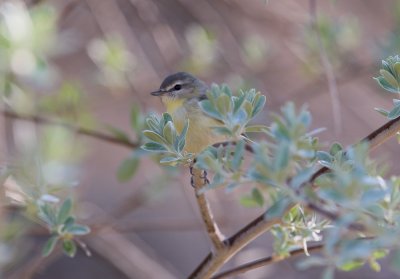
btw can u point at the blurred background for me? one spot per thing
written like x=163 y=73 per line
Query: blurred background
x=92 y=63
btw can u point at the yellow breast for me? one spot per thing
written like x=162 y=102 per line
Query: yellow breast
x=199 y=135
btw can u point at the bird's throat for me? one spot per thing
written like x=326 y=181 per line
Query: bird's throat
x=172 y=104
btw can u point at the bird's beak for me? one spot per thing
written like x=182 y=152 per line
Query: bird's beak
x=159 y=92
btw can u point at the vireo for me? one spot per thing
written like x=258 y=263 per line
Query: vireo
x=181 y=94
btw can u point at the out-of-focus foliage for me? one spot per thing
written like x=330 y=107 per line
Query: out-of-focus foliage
x=43 y=169
x=203 y=49
x=113 y=60
x=339 y=37
x=390 y=81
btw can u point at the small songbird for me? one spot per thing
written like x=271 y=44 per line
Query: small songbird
x=181 y=94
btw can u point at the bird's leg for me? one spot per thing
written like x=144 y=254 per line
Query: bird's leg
x=203 y=175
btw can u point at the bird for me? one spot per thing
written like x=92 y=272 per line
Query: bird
x=181 y=94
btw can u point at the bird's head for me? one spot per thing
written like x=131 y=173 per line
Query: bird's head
x=181 y=86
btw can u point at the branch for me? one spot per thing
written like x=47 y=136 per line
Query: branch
x=264 y=261
x=79 y=130
x=374 y=139
x=199 y=181
x=213 y=262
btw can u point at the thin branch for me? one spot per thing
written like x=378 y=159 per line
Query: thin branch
x=328 y=69
x=374 y=139
x=198 y=182
x=213 y=262
x=265 y=261
x=79 y=130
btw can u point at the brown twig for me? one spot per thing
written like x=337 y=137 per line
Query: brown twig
x=213 y=262
x=265 y=261
x=216 y=237
x=79 y=130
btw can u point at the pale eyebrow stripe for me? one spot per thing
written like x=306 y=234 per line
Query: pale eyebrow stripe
x=173 y=85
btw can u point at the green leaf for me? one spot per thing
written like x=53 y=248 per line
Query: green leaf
x=224 y=104
x=301 y=177
x=238 y=155
x=153 y=147
x=153 y=136
x=69 y=247
x=394 y=113
x=152 y=123
x=47 y=214
x=247 y=201
x=135 y=118
x=169 y=160
x=79 y=229
x=385 y=85
x=167 y=117
x=68 y=223
x=389 y=78
x=225 y=88
x=396 y=68
x=278 y=208
x=208 y=108
x=352 y=265
x=324 y=156
x=65 y=211
x=169 y=132
x=256 y=129
x=222 y=131
x=382 y=111
x=257 y=197
x=335 y=148
x=182 y=137
x=259 y=105
x=238 y=102
x=374 y=265
x=49 y=245
x=281 y=156
x=127 y=169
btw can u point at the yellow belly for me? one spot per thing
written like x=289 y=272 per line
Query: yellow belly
x=200 y=134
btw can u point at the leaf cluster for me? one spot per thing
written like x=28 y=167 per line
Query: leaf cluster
x=162 y=137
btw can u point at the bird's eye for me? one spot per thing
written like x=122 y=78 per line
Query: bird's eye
x=177 y=87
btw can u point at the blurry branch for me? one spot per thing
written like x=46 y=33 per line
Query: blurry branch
x=34 y=265
x=265 y=261
x=78 y=130
x=198 y=182
x=110 y=20
x=205 y=12
x=129 y=256
x=213 y=262
x=328 y=68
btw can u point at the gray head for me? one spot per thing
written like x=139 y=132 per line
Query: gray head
x=181 y=85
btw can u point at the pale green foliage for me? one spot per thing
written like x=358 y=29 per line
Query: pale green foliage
x=390 y=81
x=234 y=111
x=162 y=137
